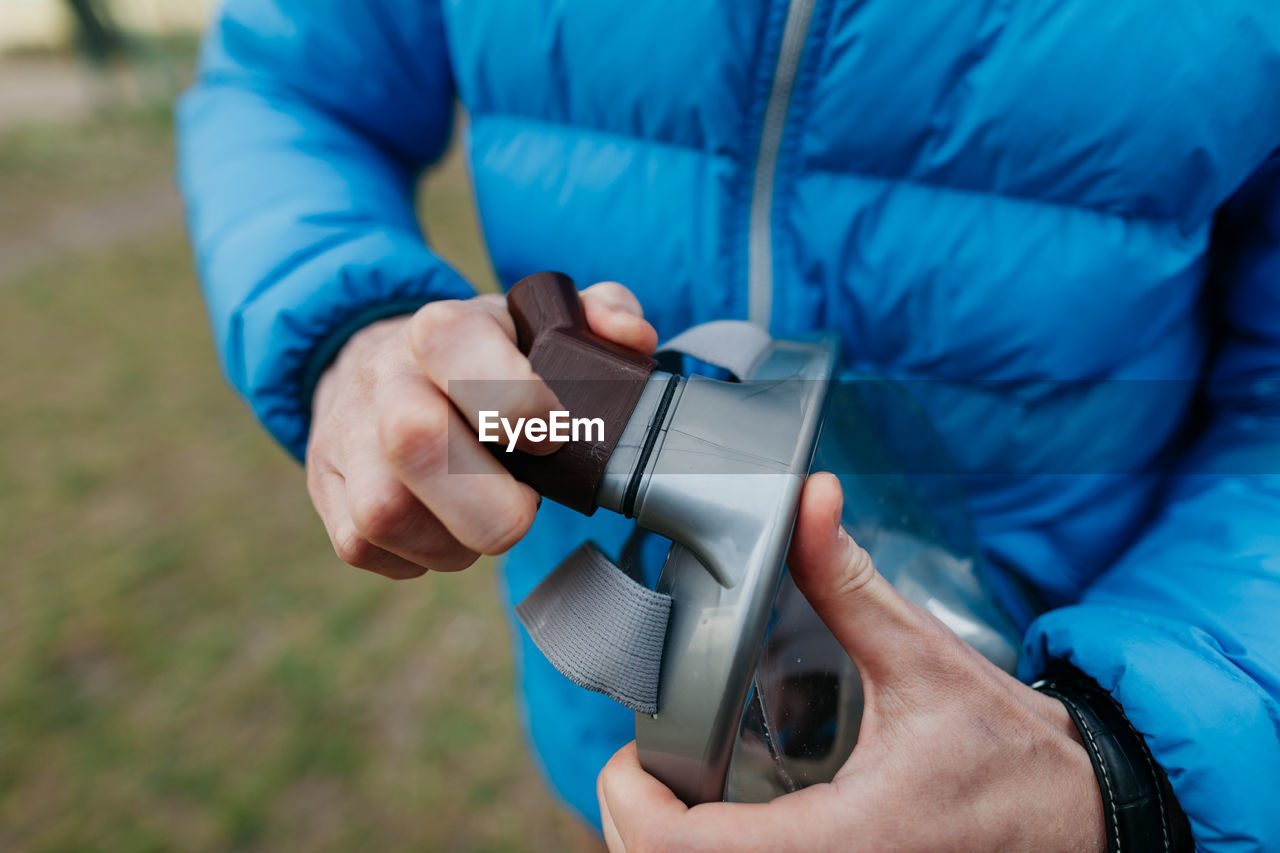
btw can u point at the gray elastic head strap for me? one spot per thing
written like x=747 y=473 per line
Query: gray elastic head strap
x=734 y=345
x=599 y=628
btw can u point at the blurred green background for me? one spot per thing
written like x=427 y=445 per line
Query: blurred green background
x=183 y=662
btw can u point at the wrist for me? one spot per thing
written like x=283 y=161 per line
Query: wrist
x=369 y=339
x=1139 y=809
x=1055 y=710
x=1077 y=819
x=358 y=350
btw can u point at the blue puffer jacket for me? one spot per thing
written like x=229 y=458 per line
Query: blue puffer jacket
x=1019 y=190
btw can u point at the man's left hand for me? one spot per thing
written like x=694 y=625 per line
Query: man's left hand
x=953 y=753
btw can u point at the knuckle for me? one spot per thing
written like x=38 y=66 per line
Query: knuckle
x=322 y=447
x=506 y=362
x=527 y=395
x=440 y=315
x=508 y=529
x=436 y=324
x=415 y=435
x=378 y=515
x=311 y=457
x=315 y=477
x=353 y=549
x=613 y=293
x=516 y=365
x=857 y=573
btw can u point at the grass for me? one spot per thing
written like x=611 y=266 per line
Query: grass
x=46 y=169
x=185 y=663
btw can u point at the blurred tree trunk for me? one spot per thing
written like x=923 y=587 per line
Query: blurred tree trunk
x=100 y=39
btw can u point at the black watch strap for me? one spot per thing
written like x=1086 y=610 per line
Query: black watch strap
x=1138 y=805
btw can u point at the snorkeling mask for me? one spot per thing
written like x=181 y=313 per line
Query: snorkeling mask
x=740 y=691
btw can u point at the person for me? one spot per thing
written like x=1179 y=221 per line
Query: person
x=1062 y=217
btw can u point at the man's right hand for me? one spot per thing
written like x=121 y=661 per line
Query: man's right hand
x=379 y=452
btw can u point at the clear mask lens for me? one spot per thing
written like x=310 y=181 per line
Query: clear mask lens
x=802 y=718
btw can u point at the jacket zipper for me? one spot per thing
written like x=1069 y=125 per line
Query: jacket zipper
x=760 y=224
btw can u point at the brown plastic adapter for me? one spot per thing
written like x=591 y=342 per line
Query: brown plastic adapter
x=592 y=377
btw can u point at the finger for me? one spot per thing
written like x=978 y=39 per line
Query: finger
x=635 y=803
x=468 y=351
x=614 y=294
x=612 y=840
x=325 y=486
x=328 y=494
x=354 y=550
x=613 y=312
x=639 y=812
x=388 y=515
x=875 y=624
x=431 y=450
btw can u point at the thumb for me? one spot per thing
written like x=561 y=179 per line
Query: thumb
x=613 y=312
x=872 y=621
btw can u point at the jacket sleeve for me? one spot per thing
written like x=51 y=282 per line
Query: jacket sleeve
x=299 y=148
x=1185 y=629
